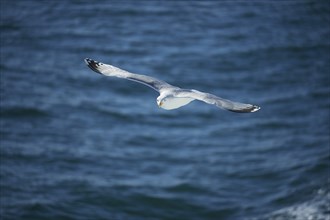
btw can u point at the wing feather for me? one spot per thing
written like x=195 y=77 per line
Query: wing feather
x=109 y=70
x=219 y=102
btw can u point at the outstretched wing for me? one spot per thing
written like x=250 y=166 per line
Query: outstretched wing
x=219 y=102
x=109 y=70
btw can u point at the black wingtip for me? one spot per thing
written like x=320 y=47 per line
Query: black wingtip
x=253 y=108
x=93 y=65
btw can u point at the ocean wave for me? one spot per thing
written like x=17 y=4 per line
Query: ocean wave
x=318 y=208
x=24 y=112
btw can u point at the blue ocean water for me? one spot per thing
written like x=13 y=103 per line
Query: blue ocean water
x=76 y=145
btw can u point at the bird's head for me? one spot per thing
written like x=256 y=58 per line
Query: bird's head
x=162 y=100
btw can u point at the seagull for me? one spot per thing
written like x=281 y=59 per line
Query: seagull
x=170 y=97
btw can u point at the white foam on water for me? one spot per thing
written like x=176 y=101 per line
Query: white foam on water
x=316 y=209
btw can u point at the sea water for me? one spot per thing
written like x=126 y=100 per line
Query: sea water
x=78 y=145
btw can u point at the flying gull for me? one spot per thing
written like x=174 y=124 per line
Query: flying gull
x=171 y=97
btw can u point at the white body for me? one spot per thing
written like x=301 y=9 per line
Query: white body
x=175 y=103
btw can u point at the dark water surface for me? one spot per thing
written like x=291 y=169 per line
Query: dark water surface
x=76 y=145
